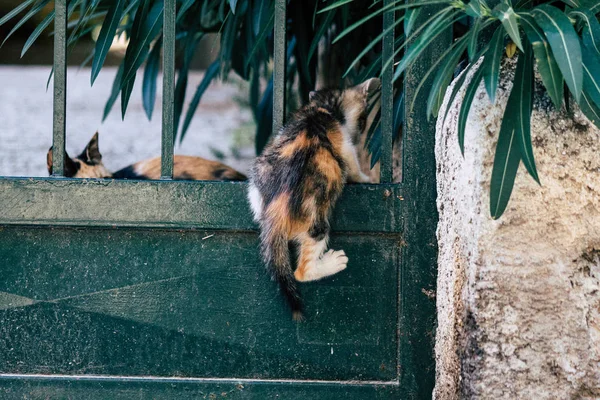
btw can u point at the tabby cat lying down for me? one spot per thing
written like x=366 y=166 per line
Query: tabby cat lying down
x=89 y=165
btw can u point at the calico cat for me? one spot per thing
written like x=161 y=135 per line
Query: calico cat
x=89 y=165
x=296 y=181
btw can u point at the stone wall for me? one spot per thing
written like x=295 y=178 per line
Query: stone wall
x=519 y=298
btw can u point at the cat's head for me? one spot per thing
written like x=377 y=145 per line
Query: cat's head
x=348 y=106
x=87 y=165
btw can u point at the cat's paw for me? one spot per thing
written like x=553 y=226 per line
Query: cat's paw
x=333 y=262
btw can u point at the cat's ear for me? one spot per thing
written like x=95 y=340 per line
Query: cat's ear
x=92 y=151
x=49 y=161
x=311 y=95
x=370 y=86
x=70 y=165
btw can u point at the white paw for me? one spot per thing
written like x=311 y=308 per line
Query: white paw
x=333 y=262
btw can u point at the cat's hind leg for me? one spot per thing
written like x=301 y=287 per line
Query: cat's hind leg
x=313 y=264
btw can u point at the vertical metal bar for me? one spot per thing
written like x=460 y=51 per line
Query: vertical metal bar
x=420 y=216
x=279 y=65
x=60 y=88
x=168 y=112
x=387 y=98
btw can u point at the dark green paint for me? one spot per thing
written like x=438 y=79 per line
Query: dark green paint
x=168 y=111
x=176 y=204
x=155 y=289
x=60 y=88
x=387 y=97
x=169 y=389
x=420 y=216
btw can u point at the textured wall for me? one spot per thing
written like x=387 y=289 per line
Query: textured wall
x=519 y=298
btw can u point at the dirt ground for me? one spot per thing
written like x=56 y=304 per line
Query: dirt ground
x=222 y=127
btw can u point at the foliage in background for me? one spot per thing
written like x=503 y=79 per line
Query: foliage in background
x=560 y=37
x=246 y=47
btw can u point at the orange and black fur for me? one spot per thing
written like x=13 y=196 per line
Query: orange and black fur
x=89 y=165
x=295 y=183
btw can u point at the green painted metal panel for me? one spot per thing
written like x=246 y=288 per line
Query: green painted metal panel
x=387 y=97
x=168 y=389
x=420 y=216
x=189 y=304
x=174 y=204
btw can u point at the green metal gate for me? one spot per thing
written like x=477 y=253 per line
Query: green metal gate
x=155 y=289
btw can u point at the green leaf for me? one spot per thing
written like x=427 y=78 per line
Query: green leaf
x=474 y=9
x=466 y=107
x=107 y=34
x=564 y=43
x=439 y=25
x=547 y=66
x=146 y=26
x=591 y=74
x=491 y=63
x=335 y=5
x=116 y=88
x=504 y=171
x=475 y=30
x=410 y=18
x=182 y=77
x=518 y=109
x=184 y=7
x=34 y=10
x=15 y=11
x=260 y=39
x=263 y=10
x=456 y=88
x=264 y=124
x=126 y=94
x=589 y=109
x=150 y=78
x=325 y=24
x=508 y=17
x=211 y=72
x=37 y=32
x=591 y=30
x=232 y=4
x=444 y=77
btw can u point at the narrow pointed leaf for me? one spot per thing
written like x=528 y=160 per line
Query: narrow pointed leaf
x=260 y=39
x=232 y=4
x=211 y=72
x=15 y=11
x=504 y=171
x=564 y=43
x=37 y=32
x=325 y=24
x=591 y=74
x=126 y=95
x=106 y=37
x=491 y=63
x=589 y=109
x=184 y=7
x=474 y=35
x=262 y=10
x=34 y=10
x=114 y=94
x=410 y=18
x=443 y=78
x=508 y=17
x=337 y=4
x=439 y=25
x=548 y=68
x=591 y=30
x=466 y=106
x=182 y=77
x=518 y=109
x=150 y=78
x=149 y=25
x=264 y=125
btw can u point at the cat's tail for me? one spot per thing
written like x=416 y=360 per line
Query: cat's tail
x=275 y=251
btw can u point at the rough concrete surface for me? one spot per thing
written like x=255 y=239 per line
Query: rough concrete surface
x=519 y=298
x=26 y=121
